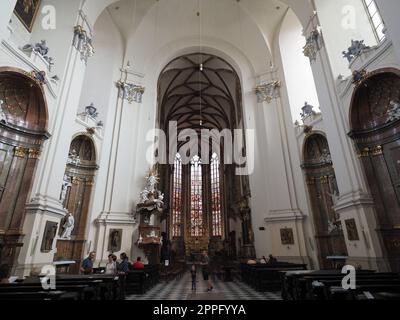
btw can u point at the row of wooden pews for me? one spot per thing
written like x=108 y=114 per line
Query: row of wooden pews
x=173 y=271
x=84 y=287
x=67 y=287
x=267 y=277
x=140 y=281
x=327 y=285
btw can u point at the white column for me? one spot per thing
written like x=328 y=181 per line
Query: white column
x=55 y=158
x=6 y=10
x=282 y=209
x=354 y=201
x=389 y=10
x=46 y=205
x=117 y=209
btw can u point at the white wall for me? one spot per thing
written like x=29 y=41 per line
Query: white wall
x=342 y=21
x=298 y=74
x=103 y=68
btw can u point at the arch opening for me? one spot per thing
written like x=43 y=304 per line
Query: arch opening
x=323 y=194
x=76 y=194
x=23 y=124
x=200 y=92
x=376 y=133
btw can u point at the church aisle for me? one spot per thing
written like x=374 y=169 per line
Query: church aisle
x=180 y=289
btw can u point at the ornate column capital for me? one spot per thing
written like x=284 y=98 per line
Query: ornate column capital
x=130 y=91
x=83 y=43
x=266 y=92
x=314 y=44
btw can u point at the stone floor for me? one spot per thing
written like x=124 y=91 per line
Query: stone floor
x=180 y=289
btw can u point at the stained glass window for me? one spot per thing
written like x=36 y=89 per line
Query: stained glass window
x=196 y=198
x=177 y=198
x=216 y=196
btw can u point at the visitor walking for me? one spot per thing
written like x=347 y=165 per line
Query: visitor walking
x=205 y=262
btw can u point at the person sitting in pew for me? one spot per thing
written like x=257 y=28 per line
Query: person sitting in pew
x=123 y=267
x=263 y=260
x=138 y=265
x=272 y=260
x=111 y=266
x=87 y=264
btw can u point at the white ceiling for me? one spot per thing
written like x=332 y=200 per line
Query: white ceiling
x=228 y=15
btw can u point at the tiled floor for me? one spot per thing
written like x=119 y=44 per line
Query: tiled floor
x=181 y=290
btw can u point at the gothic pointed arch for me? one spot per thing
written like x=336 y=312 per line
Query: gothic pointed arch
x=201 y=91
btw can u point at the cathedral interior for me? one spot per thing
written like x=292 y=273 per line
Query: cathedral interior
x=243 y=138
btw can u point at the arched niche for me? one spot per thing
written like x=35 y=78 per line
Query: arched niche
x=23 y=129
x=203 y=91
x=375 y=124
x=76 y=194
x=323 y=192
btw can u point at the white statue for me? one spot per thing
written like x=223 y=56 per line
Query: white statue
x=68 y=227
x=152 y=234
x=3 y=116
x=144 y=196
x=393 y=113
x=331 y=227
x=66 y=184
x=160 y=201
x=140 y=239
x=151 y=183
x=335 y=197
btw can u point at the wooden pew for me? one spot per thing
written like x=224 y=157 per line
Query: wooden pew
x=85 y=287
x=69 y=292
x=366 y=291
x=107 y=287
x=264 y=277
x=317 y=285
x=135 y=282
x=34 y=296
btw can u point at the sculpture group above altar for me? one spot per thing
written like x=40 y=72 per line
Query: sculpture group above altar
x=151 y=200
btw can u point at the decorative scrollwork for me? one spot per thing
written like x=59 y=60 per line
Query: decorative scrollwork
x=371 y=152
x=359 y=76
x=266 y=92
x=20 y=152
x=34 y=154
x=130 y=92
x=356 y=48
x=313 y=45
x=393 y=113
x=83 y=43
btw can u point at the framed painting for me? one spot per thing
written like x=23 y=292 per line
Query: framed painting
x=26 y=11
x=49 y=235
x=352 y=231
x=287 y=236
x=114 y=240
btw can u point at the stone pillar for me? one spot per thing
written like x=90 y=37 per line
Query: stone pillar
x=117 y=210
x=282 y=211
x=46 y=204
x=354 y=201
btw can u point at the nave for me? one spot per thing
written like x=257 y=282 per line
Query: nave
x=181 y=289
x=138 y=137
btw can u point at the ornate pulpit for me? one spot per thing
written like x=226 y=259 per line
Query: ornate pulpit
x=150 y=207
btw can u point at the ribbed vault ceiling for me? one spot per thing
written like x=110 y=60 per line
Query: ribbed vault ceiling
x=199 y=91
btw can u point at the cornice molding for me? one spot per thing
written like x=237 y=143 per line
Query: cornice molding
x=24 y=59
